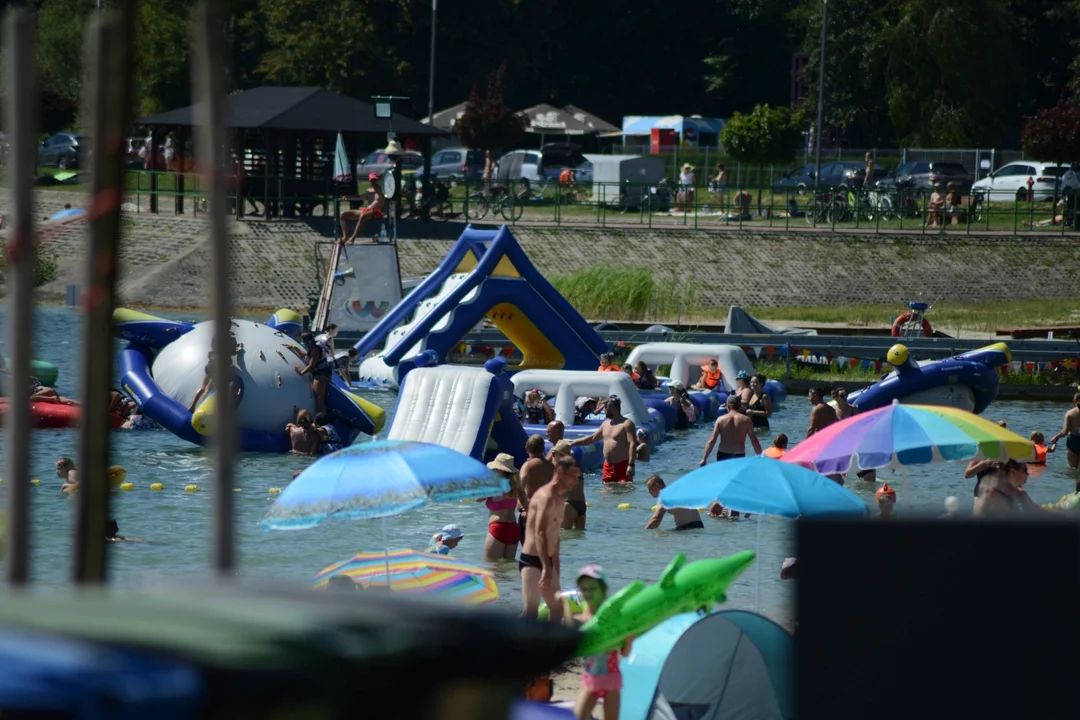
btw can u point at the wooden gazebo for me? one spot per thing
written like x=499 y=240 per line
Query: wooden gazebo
x=283 y=142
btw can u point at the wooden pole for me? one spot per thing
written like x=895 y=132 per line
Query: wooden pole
x=210 y=59
x=21 y=116
x=109 y=100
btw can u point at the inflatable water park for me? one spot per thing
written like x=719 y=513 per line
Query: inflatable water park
x=485 y=277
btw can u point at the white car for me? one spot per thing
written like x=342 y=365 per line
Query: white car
x=1009 y=182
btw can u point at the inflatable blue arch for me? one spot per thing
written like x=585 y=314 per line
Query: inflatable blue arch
x=164 y=364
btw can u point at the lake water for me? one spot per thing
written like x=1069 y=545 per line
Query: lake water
x=176 y=523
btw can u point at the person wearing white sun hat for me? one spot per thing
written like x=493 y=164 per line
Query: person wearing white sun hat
x=503 y=531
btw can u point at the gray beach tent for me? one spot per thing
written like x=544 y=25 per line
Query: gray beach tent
x=740 y=322
x=729 y=665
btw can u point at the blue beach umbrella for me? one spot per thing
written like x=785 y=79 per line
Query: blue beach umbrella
x=380 y=479
x=69 y=212
x=765 y=486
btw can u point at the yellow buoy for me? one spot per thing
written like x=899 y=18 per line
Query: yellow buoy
x=588 y=505
x=191 y=488
x=127 y=487
x=157 y=486
x=275 y=491
x=624 y=506
x=35 y=481
x=654 y=508
x=117 y=476
x=238 y=489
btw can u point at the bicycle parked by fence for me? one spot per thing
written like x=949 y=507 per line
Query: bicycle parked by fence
x=496 y=199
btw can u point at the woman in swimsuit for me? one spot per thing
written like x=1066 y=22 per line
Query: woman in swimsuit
x=537 y=411
x=1002 y=492
x=759 y=408
x=742 y=387
x=680 y=400
x=503 y=530
x=318 y=366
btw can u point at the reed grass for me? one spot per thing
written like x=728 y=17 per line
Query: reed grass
x=622 y=292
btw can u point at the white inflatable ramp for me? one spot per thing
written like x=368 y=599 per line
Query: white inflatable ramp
x=459 y=407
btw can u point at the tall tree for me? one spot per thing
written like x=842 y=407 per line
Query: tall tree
x=488 y=124
x=764 y=135
x=1053 y=134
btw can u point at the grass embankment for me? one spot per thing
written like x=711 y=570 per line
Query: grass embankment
x=627 y=293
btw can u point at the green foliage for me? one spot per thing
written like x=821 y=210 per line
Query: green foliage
x=627 y=293
x=488 y=124
x=44 y=270
x=763 y=136
x=1053 y=134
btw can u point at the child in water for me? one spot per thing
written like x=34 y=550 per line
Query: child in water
x=601 y=679
x=1039 y=441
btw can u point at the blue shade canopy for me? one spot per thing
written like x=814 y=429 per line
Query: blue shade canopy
x=380 y=479
x=762 y=485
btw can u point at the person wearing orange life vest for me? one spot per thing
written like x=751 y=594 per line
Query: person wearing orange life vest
x=778 y=448
x=710 y=377
x=1039 y=441
x=886 y=500
x=606 y=364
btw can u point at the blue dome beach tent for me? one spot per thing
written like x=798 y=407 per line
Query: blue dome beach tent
x=729 y=665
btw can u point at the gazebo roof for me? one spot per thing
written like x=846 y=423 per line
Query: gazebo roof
x=298 y=108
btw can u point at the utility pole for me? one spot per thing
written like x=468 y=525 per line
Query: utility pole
x=431 y=73
x=820 y=92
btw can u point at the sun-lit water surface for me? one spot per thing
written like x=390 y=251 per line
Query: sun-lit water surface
x=176 y=523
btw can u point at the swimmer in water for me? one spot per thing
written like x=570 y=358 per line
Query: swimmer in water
x=685 y=518
x=303 y=435
x=112 y=531
x=65 y=470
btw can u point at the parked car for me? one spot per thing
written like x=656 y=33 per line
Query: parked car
x=63 y=150
x=380 y=162
x=539 y=166
x=457 y=164
x=794 y=180
x=920 y=176
x=847 y=173
x=1009 y=182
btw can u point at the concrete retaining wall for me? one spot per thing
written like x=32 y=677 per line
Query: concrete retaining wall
x=164 y=261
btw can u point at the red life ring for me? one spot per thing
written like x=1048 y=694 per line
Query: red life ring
x=899 y=322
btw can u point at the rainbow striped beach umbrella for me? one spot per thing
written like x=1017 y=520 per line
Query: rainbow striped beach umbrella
x=900 y=435
x=413 y=572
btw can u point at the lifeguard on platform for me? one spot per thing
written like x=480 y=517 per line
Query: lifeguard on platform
x=374 y=210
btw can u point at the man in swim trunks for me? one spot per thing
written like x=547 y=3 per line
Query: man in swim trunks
x=822 y=415
x=732 y=429
x=539 y=559
x=373 y=211
x=685 y=518
x=1071 y=432
x=536 y=472
x=620 y=443
x=576 y=507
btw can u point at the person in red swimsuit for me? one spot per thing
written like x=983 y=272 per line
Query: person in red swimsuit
x=620 y=443
x=503 y=532
x=373 y=211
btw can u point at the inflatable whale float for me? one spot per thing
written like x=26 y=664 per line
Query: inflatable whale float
x=164 y=364
x=968 y=381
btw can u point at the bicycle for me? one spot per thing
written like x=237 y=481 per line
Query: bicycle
x=496 y=199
